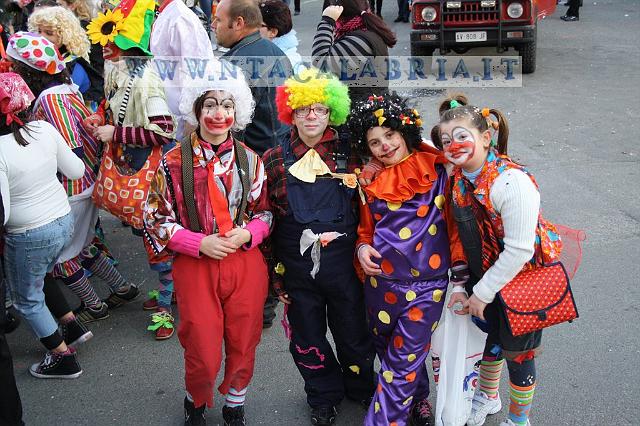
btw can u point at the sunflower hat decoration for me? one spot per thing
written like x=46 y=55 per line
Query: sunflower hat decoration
x=126 y=23
x=385 y=110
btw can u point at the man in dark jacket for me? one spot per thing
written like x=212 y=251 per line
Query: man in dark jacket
x=237 y=25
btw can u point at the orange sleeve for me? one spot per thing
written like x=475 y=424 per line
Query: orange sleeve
x=455 y=245
x=366 y=226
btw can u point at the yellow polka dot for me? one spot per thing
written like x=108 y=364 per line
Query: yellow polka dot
x=373 y=282
x=434 y=326
x=433 y=229
x=439 y=201
x=393 y=206
x=410 y=296
x=437 y=295
x=384 y=317
x=355 y=369
x=415 y=272
x=376 y=407
x=388 y=376
x=405 y=233
x=411 y=357
x=375 y=331
x=407 y=401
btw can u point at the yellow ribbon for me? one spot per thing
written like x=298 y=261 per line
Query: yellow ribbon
x=309 y=166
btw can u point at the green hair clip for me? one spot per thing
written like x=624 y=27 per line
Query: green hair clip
x=493 y=143
x=454 y=104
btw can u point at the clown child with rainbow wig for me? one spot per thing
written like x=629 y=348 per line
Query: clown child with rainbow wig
x=313 y=195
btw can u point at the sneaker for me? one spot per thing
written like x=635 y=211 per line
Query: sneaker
x=117 y=299
x=57 y=366
x=481 y=407
x=233 y=416
x=508 y=422
x=422 y=414
x=162 y=324
x=87 y=314
x=74 y=333
x=570 y=18
x=323 y=416
x=194 y=416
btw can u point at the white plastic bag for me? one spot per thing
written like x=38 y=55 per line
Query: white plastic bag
x=458 y=345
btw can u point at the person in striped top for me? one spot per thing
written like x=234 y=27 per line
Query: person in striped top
x=348 y=30
x=59 y=103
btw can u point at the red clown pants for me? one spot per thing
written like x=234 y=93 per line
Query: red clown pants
x=219 y=299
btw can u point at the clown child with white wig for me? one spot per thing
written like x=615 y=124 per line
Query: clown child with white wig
x=208 y=205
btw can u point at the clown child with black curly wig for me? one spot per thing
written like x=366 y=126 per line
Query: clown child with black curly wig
x=407 y=241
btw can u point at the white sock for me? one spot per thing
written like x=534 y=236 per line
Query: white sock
x=235 y=398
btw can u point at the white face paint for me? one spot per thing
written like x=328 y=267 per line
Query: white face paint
x=459 y=144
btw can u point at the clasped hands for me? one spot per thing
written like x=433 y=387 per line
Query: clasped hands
x=218 y=247
x=470 y=305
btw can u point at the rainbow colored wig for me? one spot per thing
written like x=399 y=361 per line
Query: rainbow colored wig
x=312 y=86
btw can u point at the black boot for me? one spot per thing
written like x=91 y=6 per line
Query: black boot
x=233 y=416
x=194 y=416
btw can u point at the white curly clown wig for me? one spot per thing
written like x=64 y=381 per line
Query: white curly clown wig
x=219 y=76
x=65 y=25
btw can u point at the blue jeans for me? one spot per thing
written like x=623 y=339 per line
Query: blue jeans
x=28 y=256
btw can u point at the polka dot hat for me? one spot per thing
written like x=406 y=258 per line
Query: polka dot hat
x=35 y=51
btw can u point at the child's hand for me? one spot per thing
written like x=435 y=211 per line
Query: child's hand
x=475 y=306
x=459 y=298
x=370 y=171
x=238 y=237
x=365 y=253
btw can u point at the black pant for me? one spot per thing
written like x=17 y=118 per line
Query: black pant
x=377 y=6
x=336 y=299
x=54 y=297
x=574 y=8
x=10 y=405
x=403 y=9
x=269 y=310
x=296 y=5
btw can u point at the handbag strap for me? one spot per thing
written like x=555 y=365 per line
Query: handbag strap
x=242 y=164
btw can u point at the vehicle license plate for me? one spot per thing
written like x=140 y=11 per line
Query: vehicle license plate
x=471 y=36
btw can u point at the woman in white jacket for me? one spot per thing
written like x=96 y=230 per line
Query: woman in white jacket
x=278 y=27
x=39 y=221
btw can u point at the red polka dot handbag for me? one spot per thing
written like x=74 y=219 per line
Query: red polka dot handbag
x=538 y=298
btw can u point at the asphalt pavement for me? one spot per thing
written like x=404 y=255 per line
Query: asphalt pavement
x=574 y=123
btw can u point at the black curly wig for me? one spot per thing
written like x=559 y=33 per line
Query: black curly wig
x=386 y=110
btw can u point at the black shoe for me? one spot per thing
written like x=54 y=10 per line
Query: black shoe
x=233 y=416
x=75 y=333
x=88 y=314
x=12 y=321
x=323 y=416
x=398 y=19
x=57 y=366
x=422 y=414
x=267 y=324
x=118 y=299
x=194 y=416
x=405 y=20
x=570 y=18
x=296 y=12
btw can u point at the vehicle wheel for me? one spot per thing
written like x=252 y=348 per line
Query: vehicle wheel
x=528 y=53
x=422 y=50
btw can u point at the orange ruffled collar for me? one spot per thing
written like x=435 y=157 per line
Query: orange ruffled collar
x=401 y=182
